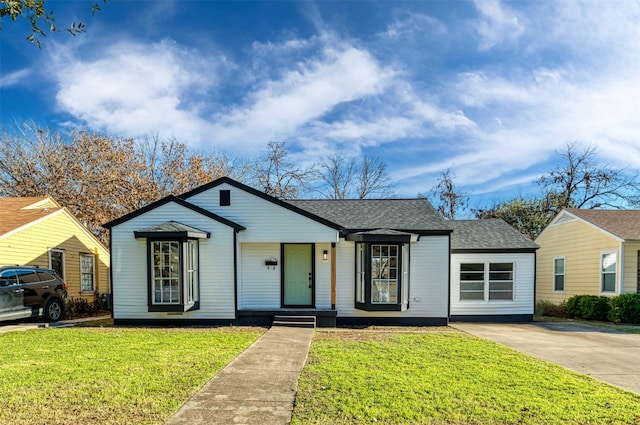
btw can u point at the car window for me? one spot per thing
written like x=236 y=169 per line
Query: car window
x=8 y=278
x=27 y=276
x=45 y=276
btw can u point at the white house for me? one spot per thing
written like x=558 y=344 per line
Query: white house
x=227 y=253
x=493 y=272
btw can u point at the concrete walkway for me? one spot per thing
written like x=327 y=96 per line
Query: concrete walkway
x=605 y=354
x=26 y=325
x=257 y=387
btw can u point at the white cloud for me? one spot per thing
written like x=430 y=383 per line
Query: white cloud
x=278 y=108
x=498 y=24
x=14 y=78
x=134 y=89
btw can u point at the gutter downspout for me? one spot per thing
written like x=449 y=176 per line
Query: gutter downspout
x=621 y=270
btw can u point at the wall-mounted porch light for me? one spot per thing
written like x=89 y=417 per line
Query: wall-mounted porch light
x=325 y=255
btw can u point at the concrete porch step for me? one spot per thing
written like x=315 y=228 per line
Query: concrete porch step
x=295 y=321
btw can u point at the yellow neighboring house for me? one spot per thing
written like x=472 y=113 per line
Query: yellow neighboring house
x=39 y=232
x=589 y=252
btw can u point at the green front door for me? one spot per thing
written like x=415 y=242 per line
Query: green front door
x=297 y=279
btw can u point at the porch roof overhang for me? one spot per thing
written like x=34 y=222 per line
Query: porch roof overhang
x=171 y=229
x=382 y=235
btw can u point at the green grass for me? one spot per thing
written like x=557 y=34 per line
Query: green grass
x=109 y=375
x=384 y=377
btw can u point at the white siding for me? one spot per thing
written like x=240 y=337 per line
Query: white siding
x=259 y=287
x=129 y=266
x=265 y=221
x=429 y=280
x=524 y=276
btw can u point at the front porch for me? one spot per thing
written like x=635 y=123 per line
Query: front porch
x=325 y=318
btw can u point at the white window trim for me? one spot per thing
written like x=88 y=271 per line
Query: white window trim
x=93 y=272
x=601 y=272
x=564 y=274
x=487 y=265
x=64 y=255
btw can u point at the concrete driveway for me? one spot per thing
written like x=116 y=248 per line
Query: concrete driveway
x=607 y=355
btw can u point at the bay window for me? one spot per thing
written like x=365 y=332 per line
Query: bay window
x=382 y=271
x=173 y=276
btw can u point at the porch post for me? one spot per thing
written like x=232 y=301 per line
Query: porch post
x=333 y=275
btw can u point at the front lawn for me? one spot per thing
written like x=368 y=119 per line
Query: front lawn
x=446 y=377
x=109 y=375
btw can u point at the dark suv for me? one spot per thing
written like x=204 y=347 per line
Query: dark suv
x=31 y=292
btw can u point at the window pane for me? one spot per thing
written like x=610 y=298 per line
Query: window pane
x=469 y=267
x=501 y=267
x=57 y=262
x=559 y=265
x=471 y=276
x=502 y=295
x=500 y=286
x=609 y=262
x=500 y=276
x=559 y=283
x=384 y=291
x=360 y=273
x=472 y=296
x=472 y=286
x=608 y=282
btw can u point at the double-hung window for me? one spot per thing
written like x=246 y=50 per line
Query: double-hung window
x=382 y=271
x=87 y=275
x=608 y=262
x=558 y=274
x=486 y=281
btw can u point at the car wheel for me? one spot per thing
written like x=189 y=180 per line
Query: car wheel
x=53 y=310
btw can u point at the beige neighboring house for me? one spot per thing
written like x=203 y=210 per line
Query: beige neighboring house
x=593 y=252
x=37 y=231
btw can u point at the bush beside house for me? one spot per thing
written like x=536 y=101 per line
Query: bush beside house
x=620 y=309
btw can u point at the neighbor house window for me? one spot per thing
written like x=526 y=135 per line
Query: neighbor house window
x=87 y=275
x=608 y=262
x=486 y=281
x=56 y=261
x=381 y=272
x=558 y=274
x=174 y=275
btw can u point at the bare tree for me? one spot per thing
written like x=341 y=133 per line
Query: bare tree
x=276 y=175
x=446 y=198
x=373 y=179
x=582 y=182
x=579 y=182
x=336 y=174
x=346 y=178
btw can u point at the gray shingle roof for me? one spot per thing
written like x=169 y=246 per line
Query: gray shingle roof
x=368 y=214
x=487 y=234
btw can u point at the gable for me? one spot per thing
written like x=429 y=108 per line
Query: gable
x=264 y=218
x=17 y=213
x=566 y=222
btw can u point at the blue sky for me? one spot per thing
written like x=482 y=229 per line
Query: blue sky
x=490 y=89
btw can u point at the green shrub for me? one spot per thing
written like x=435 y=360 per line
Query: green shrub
x=548 y=308
x=78 y=307
x=589 y=307
x=625 y=308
